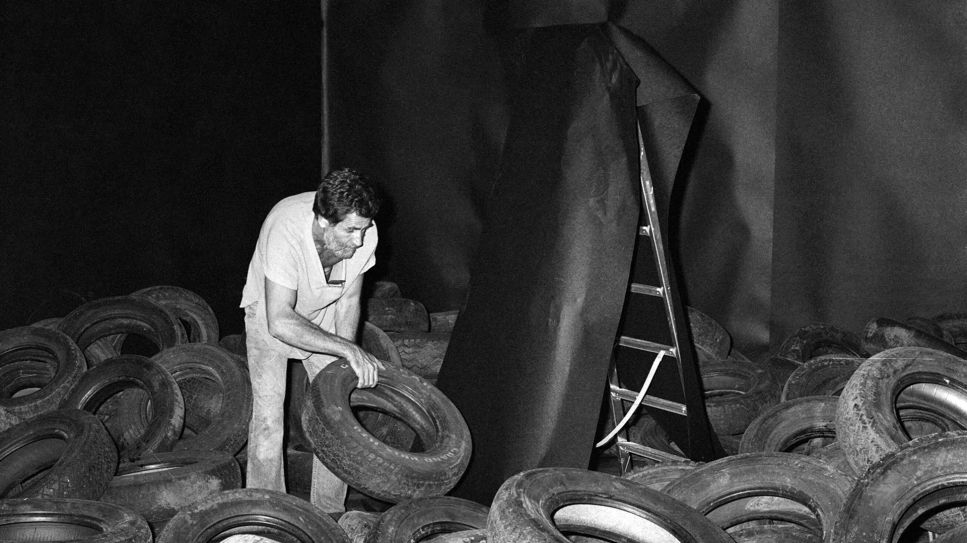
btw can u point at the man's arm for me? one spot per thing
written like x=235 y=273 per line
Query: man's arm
x=348 y=309
x=293 y=329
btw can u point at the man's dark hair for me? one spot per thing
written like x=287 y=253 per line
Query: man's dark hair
x=346 y=191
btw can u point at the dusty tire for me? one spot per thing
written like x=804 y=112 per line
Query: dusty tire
x=217 y=395
x=774 y=533
x=371 y=466
x=268 y=513
x=955 y=325
x=191 y=310
x=824 y=375
x=716 y=487
x=158 y=485
x=74 y=520
x=802 y=426
x=906 y=484
x=421 y=352
x=132 y=372
x=444 y=321
x=543 y=504
x=234 y=343
x=423 y=518
x=711 y=340
x=397 y=315
x=65 y=453
x=466 y=536
x=818 y=339
x=35 y=357
x=866 y=419
x=882 y=334
x=658 y=476
x=111 y=318
x=735 y=393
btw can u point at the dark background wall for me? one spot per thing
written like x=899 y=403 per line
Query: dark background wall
x=142 y=144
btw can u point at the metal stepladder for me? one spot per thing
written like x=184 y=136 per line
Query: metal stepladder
x=653 y=362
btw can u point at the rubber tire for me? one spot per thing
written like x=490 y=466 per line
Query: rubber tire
x=386 y=428
x=930 y=326
x=882 y=334
x=27 y=346
x=422 y=518
x=954 y=324
x=252 y=511
x=466 y=536
x=188 y=308
x=217 y=394
x=115 y=316
x=903 y=485
x=807 y=481
x=658 y=476
x=749 y=389
x=816 y=339
x=93 y=521
x=527 y=505
x=158 y=485
x=131 y=371
x=421 y=352
x=774 y=533
x=798 y=426
x=371 y=466
x=711 y=340
x=235 y=343
x=81 y=469
x=397 y=315
x=824 y=375
x=866 y=419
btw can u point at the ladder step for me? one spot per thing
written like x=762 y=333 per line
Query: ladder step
x=644 y=231
x=650 y=290
x=645 y=345
x=647 y=452
x=651 y=401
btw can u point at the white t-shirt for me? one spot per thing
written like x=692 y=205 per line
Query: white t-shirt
x=286 y=254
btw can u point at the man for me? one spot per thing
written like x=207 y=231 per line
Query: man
x=302 y=301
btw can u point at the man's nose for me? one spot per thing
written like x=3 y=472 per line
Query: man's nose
x=358 y=240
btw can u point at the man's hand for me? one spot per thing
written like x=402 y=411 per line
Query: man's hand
x=365 y=365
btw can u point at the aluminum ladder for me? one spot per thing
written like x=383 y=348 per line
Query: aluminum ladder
x=654 y=338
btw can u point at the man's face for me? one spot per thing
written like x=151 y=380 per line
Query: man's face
x=344 y=237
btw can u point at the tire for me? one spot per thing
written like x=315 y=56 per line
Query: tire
x=375 y=468
x=955 y=325
x=158 y=485
x=818 y=339
x=802 y=426
x=658 y=476
x=646 y=431
x=955 y=535
x=33 y=357
x=65 y=453
x=131 y=372
x=711 y=340
x=774 y=533
x=268 y=513
x=234 y=343
x=904 y=486
x=381 y=424
x=834 y=455
x=397 y=315
x=735 y=393
x=217 y=396
x=882 y=334
x=444 y=321
x=422 y=518
x=191 y=310
x=866 y=418
x=74 y=520
x=929 y=326
x=114 y=317
x=385 y=289
x=465 y=536
x=544 y=504
x=824 y=375
x=798 y=481
x=421 y=352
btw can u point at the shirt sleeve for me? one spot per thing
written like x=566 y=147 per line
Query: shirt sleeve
x=282 y=254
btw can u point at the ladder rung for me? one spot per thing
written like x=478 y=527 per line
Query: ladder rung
x=644 y=231
x=650 y=290
x=645 y=345
x=647 y=452
x=651 y=401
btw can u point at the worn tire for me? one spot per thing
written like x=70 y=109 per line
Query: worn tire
x=268 y=513
x=954 y=324
x=217 y=396
x=542 y=504
x=35 y=357
x=158 y=485
x=371 y=466
x=800 y=426
x=715 y=487
x=465 y=536
x=423 y=518
x=817 y=339
x=711 y=340
x=65 y=453
x=774 y=533
x=866 y=420
x=115 y=316
x=73 y=520
x=191 y=310
x=131 y=372
x=903 y=487
x=882 y=334
x=235 y=343
x=421 y=352
x=824 y=375
x=397 y=315
x=735 y=393
x=657 y=476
